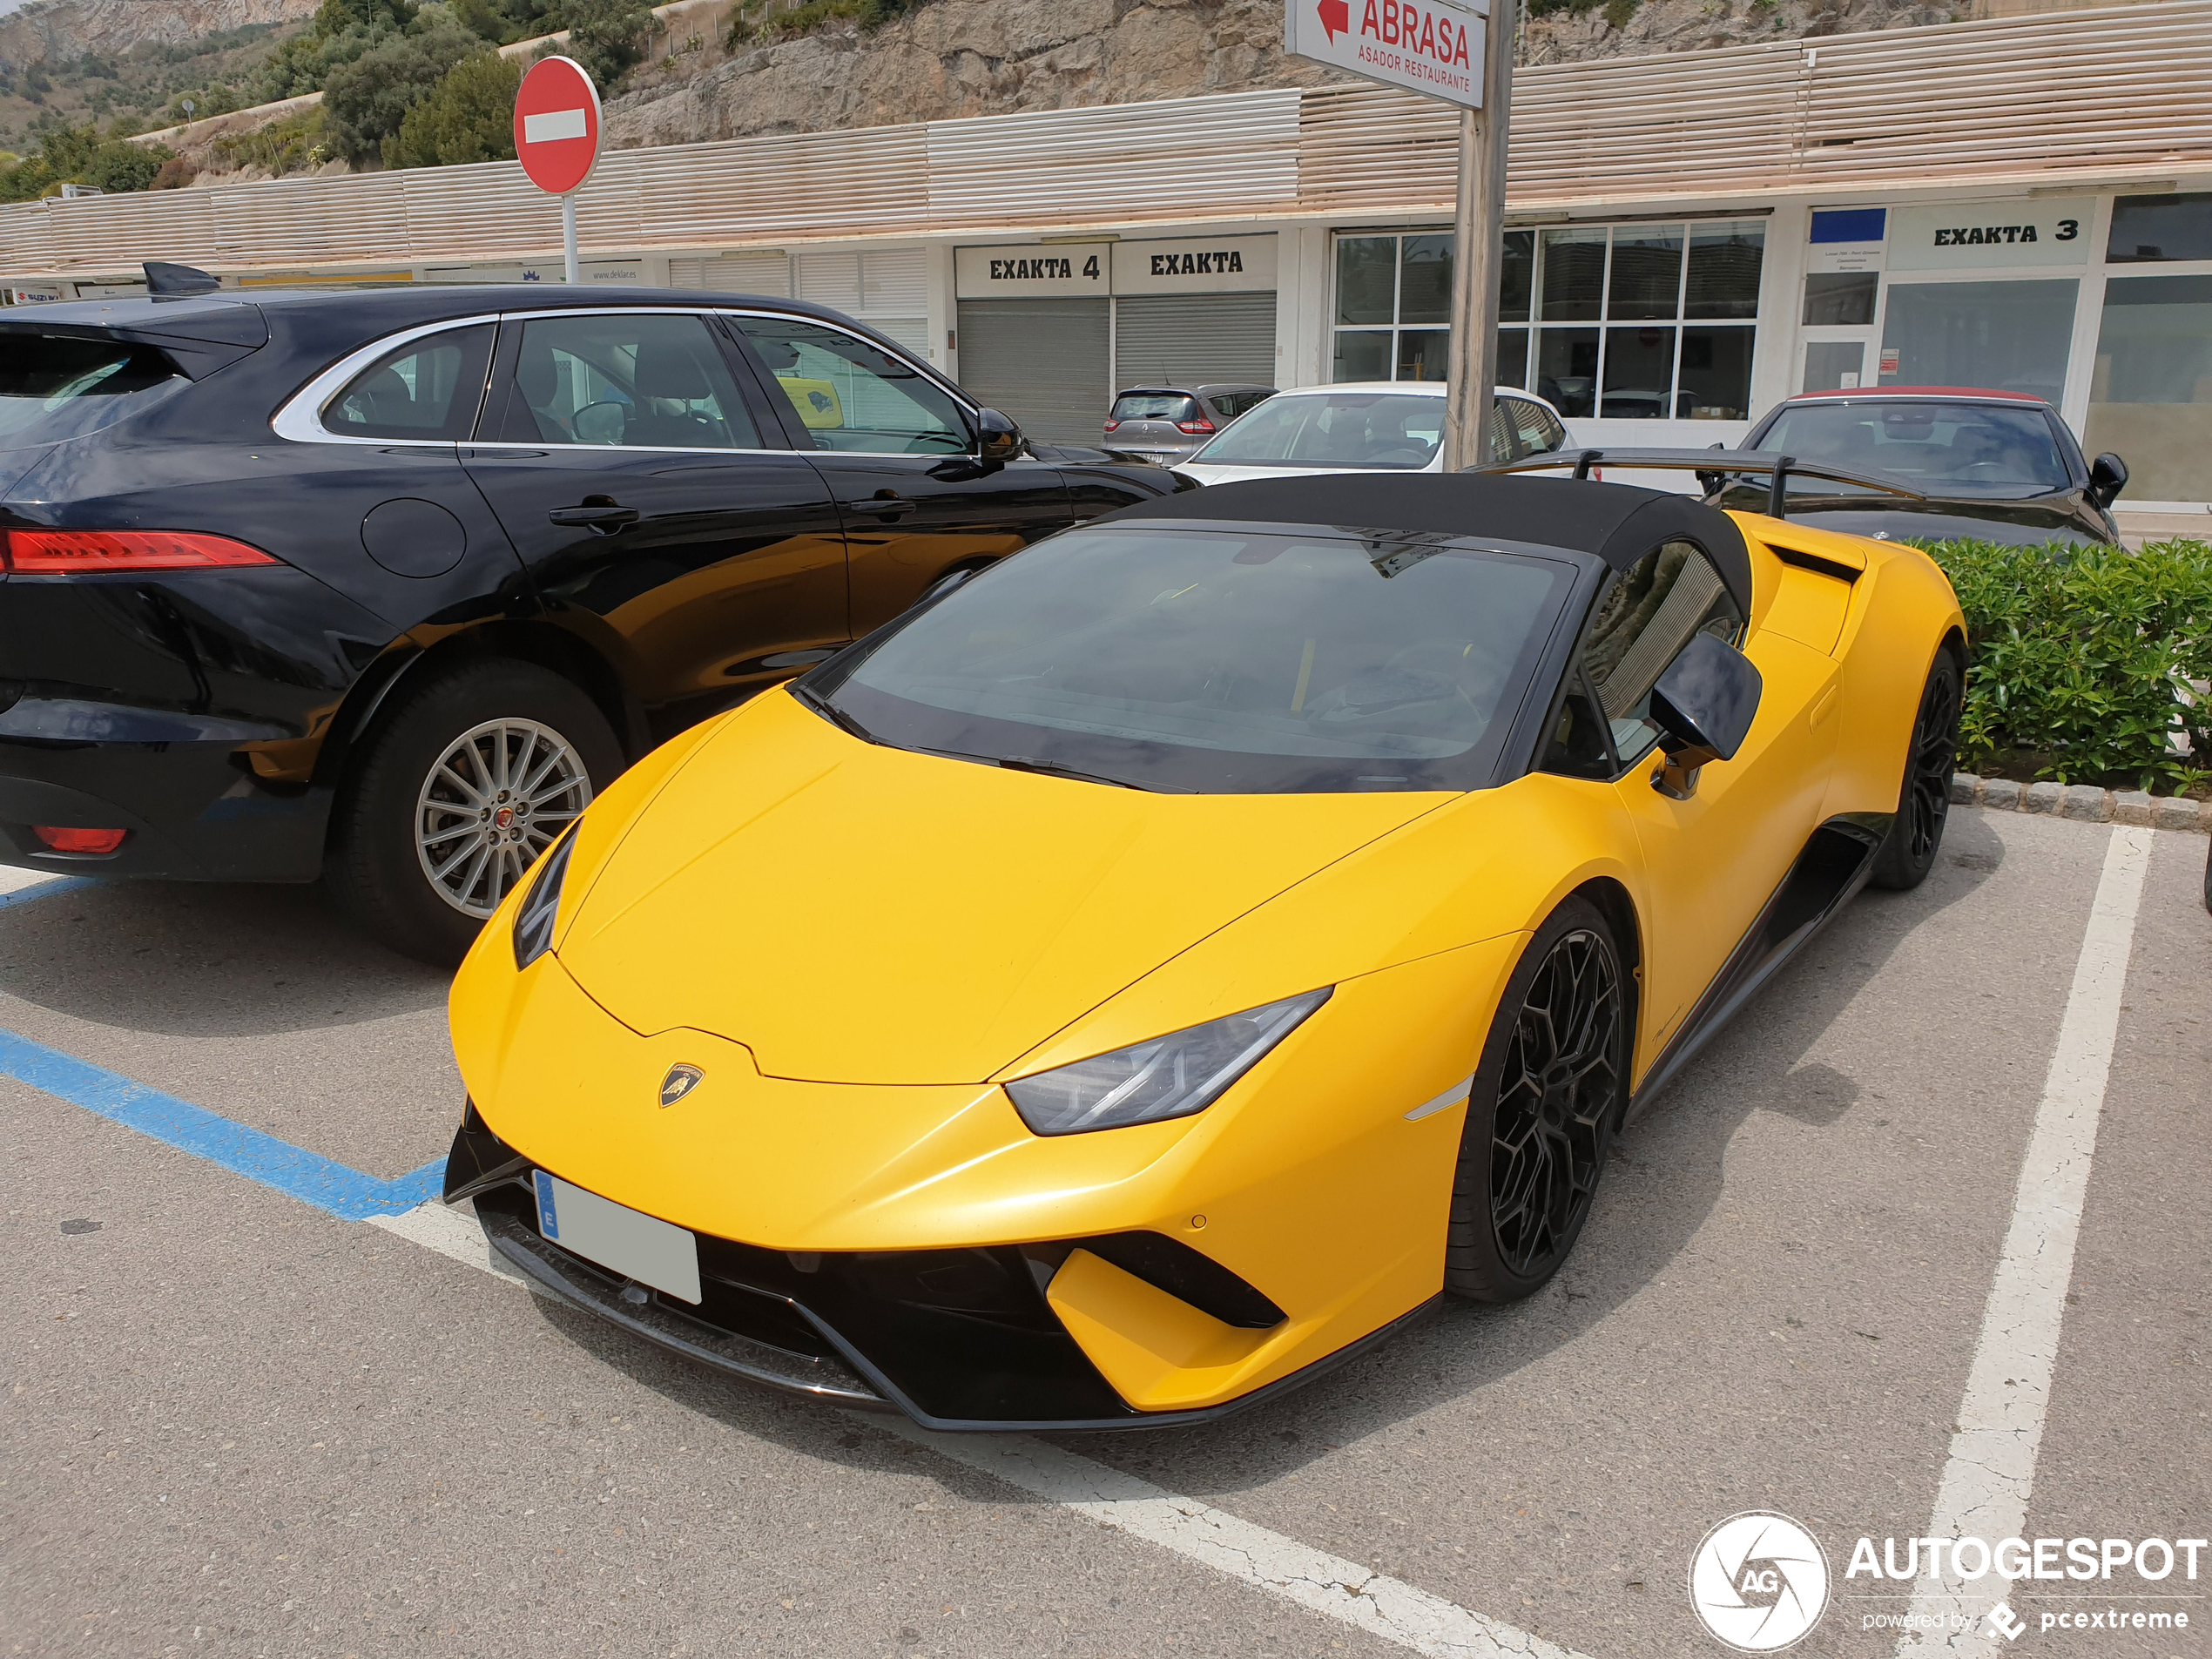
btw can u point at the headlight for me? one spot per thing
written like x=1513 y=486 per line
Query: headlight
x=534 y=919
x=1171 y=1076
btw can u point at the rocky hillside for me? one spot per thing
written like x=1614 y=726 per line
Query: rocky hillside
x=50 y=30
x=961 y=57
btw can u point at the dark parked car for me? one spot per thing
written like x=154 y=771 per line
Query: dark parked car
x=1168 y=424
x=1995 y=466
x=382 y=586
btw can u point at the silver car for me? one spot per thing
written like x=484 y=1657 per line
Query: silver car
x=1355 y=426
x=1164 y=424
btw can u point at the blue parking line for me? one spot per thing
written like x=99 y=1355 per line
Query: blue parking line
x=53 y=889
x=343 y=1193
x=296 y=1173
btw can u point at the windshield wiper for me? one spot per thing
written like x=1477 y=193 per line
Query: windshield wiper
x=831 y=713
x=1054 y=769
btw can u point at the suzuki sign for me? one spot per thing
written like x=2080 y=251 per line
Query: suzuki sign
x=1432 y=46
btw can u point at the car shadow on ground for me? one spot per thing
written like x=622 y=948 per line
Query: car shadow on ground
x=197 y=959
x=1665 y=1184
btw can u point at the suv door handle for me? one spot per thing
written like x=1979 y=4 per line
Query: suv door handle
x=885 y=504
x=605 y=517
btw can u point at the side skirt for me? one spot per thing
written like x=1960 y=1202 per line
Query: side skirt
x=1833 y=866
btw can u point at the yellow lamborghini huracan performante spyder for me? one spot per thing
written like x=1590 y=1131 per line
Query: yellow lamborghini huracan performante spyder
x=1164 y=963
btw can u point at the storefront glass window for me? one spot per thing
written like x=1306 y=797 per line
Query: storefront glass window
x=1647 y=274
x=1657 y=282
x=1996 y=336
x=1516 y=277
x=1425 y=279
x=1367 y=279
x=1725 y=262
x=2151 y=397
x=1840 y=300
x=1573 y=275
x=2160 y=227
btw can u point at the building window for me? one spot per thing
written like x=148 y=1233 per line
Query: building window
x=1639 y=321
x=1630 y=321
x=2002 y=336
x=2150 y=398
x=2147 y=228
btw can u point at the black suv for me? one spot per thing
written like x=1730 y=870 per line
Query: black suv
x=381 y=586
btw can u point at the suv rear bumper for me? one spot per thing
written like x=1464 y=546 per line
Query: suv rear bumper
x=191 y=812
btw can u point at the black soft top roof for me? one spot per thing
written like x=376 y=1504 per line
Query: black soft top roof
x=1618 y=522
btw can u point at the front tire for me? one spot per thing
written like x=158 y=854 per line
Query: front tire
x=1550 y=1092
x=471 y=776
x=1908 y=853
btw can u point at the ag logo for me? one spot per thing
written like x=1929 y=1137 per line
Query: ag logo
x=1758 y=1582
x=680 y=1081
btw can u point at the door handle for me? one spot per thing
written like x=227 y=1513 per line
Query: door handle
x=886 y=503
x=606 y=518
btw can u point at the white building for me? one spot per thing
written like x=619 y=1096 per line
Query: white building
x=2025 y=203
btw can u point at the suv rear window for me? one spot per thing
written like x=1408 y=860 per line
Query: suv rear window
x=54 y=387
x=1153 y=406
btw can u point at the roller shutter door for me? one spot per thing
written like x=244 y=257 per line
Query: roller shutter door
x=1043 y=361
x=761 y=274
x=1186 y=339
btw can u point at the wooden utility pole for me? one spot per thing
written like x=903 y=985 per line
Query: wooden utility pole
x=1478 y=251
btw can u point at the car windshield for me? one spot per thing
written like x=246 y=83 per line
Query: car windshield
x=1152 y=406
x=1219 y=661
x=1972 y=449
x=1397 y=429
x=64 y=386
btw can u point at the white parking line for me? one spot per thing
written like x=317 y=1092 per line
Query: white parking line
x=1374 y=1602
x=1992 y=1467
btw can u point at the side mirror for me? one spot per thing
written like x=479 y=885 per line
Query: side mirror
x=1001 y=439
x=1703 y=706
x=2108 y=477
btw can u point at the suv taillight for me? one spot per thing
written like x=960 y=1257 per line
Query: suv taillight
x=1112 y=425
x=45 y=552
x=1195 y=428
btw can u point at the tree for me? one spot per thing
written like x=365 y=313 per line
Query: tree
x=607 y=37
x=367 y=98
x=470 y=115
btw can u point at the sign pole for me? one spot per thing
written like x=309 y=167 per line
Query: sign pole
x=1477 y=250
x=570 y=273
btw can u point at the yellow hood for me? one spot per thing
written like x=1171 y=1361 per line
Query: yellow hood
x=857 y=913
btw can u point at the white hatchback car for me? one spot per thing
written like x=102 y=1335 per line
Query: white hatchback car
x=1365 y=426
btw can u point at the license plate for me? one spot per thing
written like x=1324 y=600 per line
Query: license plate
x=637 y=1246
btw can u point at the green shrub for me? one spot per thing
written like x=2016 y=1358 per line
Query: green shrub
x=755 y=22
x=470 y=115
x=2080 y=663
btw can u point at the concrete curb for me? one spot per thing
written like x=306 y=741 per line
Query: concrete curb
x=2084 y=802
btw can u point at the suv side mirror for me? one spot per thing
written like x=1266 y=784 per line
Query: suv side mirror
x=1703 y=706
x=1001 y=439
x=2108 y=477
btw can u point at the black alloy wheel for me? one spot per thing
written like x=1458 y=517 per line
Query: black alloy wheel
x=1546 y=1103
x=1924 y=802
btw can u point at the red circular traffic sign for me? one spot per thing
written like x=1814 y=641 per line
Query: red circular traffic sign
x=557 y=125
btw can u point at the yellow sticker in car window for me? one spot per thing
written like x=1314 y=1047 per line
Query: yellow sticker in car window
x=816 y=400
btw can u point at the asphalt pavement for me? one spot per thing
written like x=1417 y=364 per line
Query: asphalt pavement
x=237 y=1424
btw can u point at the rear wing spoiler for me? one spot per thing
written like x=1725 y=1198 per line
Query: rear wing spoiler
x=1714 y=468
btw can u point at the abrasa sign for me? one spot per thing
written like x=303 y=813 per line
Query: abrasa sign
x=1432 y=46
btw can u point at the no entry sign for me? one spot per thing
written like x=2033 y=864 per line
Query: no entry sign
x=557 y=125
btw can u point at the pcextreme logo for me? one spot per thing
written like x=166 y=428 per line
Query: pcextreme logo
x=1758 y=1582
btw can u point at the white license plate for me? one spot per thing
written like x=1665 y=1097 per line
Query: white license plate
x=637 y=1246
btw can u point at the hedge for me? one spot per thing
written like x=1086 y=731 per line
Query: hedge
x=2080 y=662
